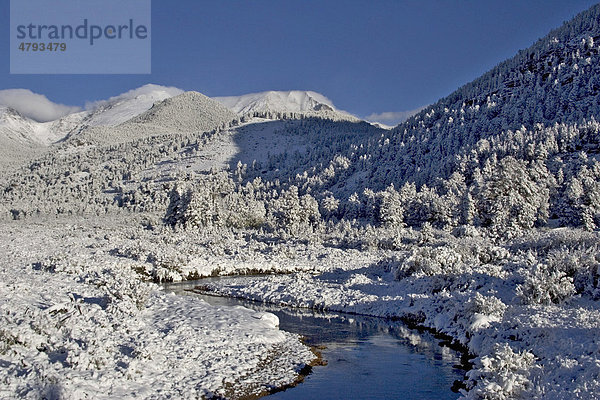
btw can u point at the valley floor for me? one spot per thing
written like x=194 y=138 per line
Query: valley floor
x=79 y=318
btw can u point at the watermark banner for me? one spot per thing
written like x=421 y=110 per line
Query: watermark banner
x=80 y=37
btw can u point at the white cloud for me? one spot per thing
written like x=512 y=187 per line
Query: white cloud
x=155 y=91
x=33 y=105
x=393 y=117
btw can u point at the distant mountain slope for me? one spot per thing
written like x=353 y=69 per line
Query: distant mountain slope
x=20 y=138
x=116 y=110
x=27 y=131
x=281 y=102
x=96 y=171
x=187 y=112
x=557 y=80
x=290 y=101
x=16 y=126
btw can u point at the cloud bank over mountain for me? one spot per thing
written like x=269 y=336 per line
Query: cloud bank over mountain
x=35 y=106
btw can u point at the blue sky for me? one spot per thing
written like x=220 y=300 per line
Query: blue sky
x=366 y=56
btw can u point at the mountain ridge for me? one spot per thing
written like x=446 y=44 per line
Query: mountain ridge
x=273 y=103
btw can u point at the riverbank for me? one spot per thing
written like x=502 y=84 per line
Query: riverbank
x=367 y=357
x=78 y=321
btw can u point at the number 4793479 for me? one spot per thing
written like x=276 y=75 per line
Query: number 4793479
x=50 y=46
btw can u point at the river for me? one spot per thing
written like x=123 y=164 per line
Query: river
x=367 y=357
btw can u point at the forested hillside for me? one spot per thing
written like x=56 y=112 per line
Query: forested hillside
x=514 y=149
x=99 y=169
x=511 y=150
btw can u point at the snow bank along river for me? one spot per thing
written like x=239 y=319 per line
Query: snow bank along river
x=366 y=357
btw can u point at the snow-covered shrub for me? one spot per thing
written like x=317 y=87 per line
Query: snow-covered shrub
x=390 y=264
x=545 y=285
x=478 y=250
x=168 y=264
x=369 y=238
x=428 y=207
x=244 y=212
x=582 y=266
x=504 y=375
x=136 y=250
x=482 y=310
x=124 y=290
x=329 y=207
x=430 y=261
x=178 y=199
x=427 y=233
x=492 y=254
x=62 y=262
x=396 y=238
x=579 y=200
x=214 y=201
x=391 y=209
x=466 y=231
x=563 y=239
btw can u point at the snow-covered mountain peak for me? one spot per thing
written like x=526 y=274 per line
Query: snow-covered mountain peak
x=296 y=101
x=13 y=123
x=125 y=106
x=187 y=111
x=24 y=130
x=188 y=96
x=8 y=114
x=140 y=113
x=146 y=92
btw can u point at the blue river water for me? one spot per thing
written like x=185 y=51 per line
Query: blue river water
x=367 y=357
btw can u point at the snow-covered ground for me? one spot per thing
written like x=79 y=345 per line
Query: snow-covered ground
x=78 y=322
x=78 y=319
